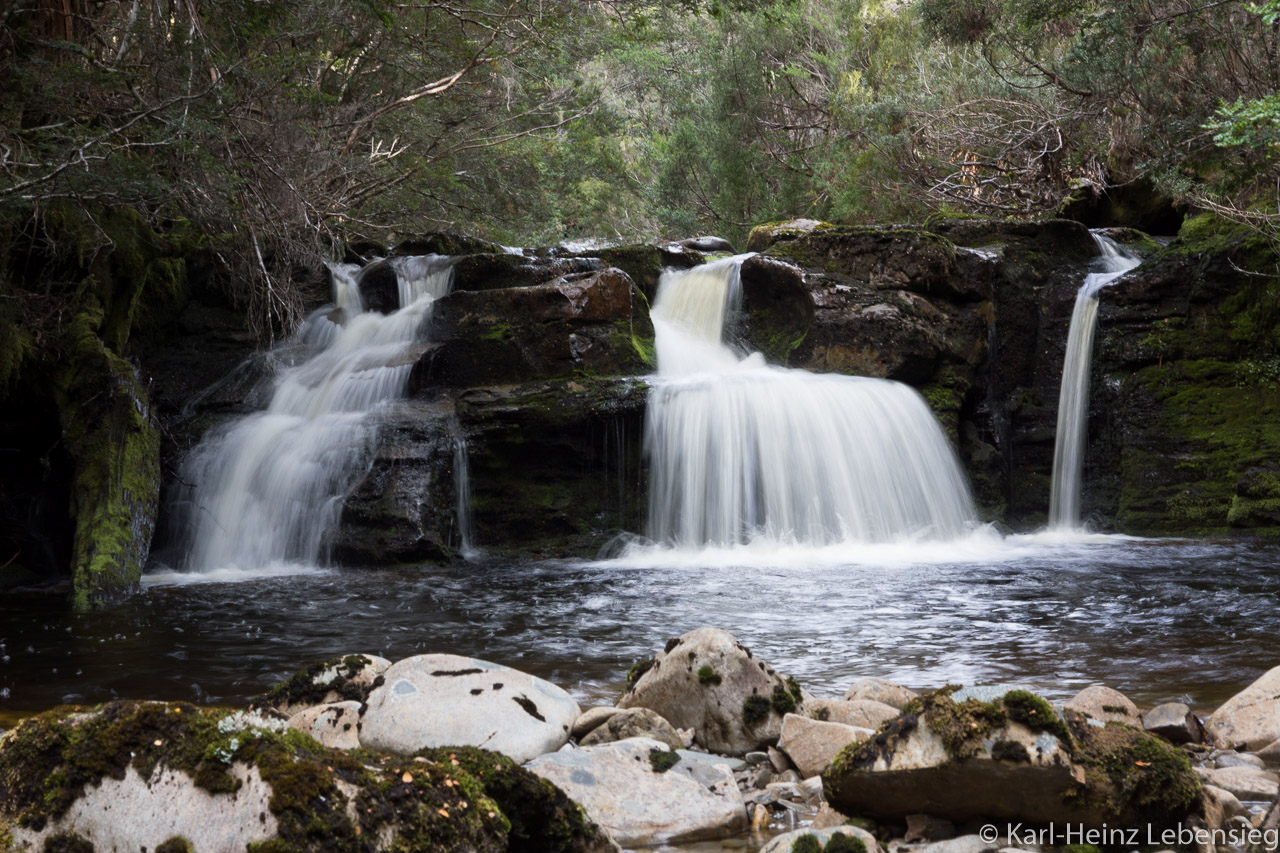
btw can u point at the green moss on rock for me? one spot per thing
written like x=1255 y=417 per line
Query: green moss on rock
x=782 y=701
x=708 y=676
x=306 y=687
x=662 y=760
x=755 y=709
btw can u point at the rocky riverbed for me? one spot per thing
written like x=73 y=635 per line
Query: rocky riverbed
x=709 y=747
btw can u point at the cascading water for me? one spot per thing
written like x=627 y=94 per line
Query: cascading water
x=742 y=452
x=264 y=489
x=1073 y=399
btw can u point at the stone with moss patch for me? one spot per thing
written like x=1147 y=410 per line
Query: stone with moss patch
x=1012 y=757
x=346 y=678
x=291 y=794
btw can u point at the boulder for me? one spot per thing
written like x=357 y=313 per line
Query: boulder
x=501 y=271
x=446 y=243
x=344 y=678
x=879 y=690
x=1246 y=783
x=592 y=718
x=1103 y=703
x=633 y=790
x=862 y=713
x=785 y=842
x=166 y=775
x=777 y=308
x=1174 y=722
x=1012 y=757
x=335 y=725
x=1220 y=806
x=1251 y=717
x=448 y=700
x=708 y=681
x=634 y=722
x=1270 y=753
x=811 y=744
x=707 y=243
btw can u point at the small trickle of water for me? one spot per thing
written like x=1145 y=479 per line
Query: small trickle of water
x=264 y=489
x=742 y=452
x=462 y=492
x=1073 y=399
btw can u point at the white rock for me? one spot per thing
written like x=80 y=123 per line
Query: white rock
x=346 y=682
x=782 y=843
x=1109 y=706
x=962 y=844
x=811 y=744
x=448 y=700
x=1220 y=806
x=139 y=814
x=620 y=790
x=1174 y=722
x=1247 y=783
x=861 y=713
x=879 y=690
x=335 y=725
x=634 y=722
x=1251 y=717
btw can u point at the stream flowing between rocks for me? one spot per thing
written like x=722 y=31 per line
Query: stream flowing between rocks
x=1156 y=619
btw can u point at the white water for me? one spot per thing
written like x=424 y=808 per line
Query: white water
x=746 y=454
x=1073 y=399
x=263 y=491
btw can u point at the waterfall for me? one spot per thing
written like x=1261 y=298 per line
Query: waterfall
x=741 y=452
x=264 y=489
x=1073 y=399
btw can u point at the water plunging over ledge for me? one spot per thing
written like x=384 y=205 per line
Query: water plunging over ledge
x=1073 y=399
x=264 y=489
x=744 y=453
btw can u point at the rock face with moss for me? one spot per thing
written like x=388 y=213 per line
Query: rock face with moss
x=1184 y=433
x=1012 y=758
x=81 y=490
x=708 y=681
x=217 y=779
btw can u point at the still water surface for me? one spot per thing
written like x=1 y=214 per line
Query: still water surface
x=1157 y=619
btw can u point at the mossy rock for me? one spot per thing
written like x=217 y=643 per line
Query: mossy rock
x=1014 y=757
x=315 y=798
x=350 y=678
x=766 y=234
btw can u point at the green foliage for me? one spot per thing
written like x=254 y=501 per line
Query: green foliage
x=708 y=676
x=841 y=843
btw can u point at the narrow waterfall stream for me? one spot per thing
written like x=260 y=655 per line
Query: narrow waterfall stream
x=1073 y=399
x=263 y=490
x=742 y=452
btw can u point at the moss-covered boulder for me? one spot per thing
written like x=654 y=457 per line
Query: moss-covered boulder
x=221 y=779
x=1012 y=758
x=578 y=323
x=344 y=678
x=766 y=234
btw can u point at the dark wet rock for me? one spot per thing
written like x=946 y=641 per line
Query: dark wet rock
x=447 y=243
x=497 y=272
x=379 y=287
x=214 y=778
x=403 y=511
x=707 y=681
x=1137 y=204
x=1012 y=758
x=554 y=465
x=579 y=323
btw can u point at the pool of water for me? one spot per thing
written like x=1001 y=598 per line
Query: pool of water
x=1157 y=619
